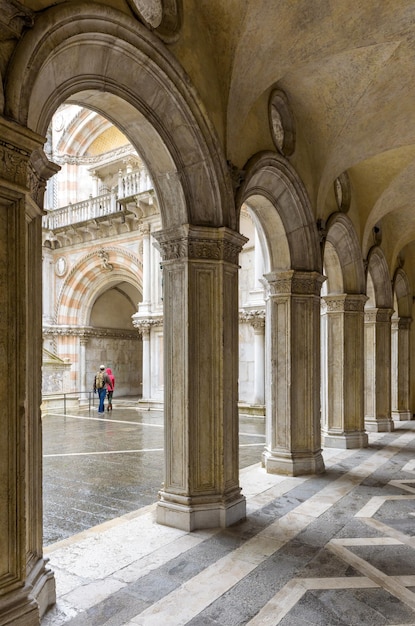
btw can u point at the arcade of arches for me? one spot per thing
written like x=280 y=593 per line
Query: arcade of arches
x=232 y=212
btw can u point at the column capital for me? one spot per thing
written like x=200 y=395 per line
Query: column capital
x=256 y=318
x=16 y=146
x=345 y=302
x=294 y=282
x=200 y=242
x=144 y=324
x=378 y=315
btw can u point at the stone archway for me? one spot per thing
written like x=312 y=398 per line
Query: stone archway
x=378 y=313
x=100 y=58
x=342 y=337
x=278 y=198
x=401 y=347
x=78 y=337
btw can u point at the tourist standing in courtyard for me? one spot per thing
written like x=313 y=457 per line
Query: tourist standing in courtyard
x=101 y=381
x=110 y=388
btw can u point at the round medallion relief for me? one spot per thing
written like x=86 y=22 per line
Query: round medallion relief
x=164 y=17
x=150 y=11
x=60 y=266
x=281 y=122
x=342 y=192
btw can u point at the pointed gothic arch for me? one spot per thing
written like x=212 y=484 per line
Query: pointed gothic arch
x=88 y=279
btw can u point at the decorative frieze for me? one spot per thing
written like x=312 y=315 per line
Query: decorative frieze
x=88 y=332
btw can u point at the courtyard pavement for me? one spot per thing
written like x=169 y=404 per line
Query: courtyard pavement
x=98 y=468
x=336 y=549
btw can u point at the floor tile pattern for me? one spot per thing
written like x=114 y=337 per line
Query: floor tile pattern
x=329 y=550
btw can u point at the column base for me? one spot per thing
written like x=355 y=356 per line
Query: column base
x=381 y=425
x=291 y=464
x=401 y=416
x=27 y=605
x=190 y=517
x=42 y=580
x=345 y=441
x=18 y=608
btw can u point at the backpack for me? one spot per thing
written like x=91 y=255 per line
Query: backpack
x=100 y=380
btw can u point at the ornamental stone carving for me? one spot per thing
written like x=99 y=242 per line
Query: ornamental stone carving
x=378 y=315
x=292 y=282
x=345 y=302
x=88 y=332
x=144 y=325
x=13 y=164
x=342 y=192
x=219 y=244
x=104 y=256
x=164 y=17
x=255 y=318
x=281 y=122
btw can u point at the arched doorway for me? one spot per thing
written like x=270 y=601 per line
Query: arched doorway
x=159 y=114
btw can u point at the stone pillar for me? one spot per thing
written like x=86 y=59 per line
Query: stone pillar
x=83 y=383
x=259 y=352
x=401 y=368
x=343 y=415
x=256 y=318
x=378 y=370
x=146 y=381
x=145 y=305
x=26 y=585
x=201 y=488
x=293 y=437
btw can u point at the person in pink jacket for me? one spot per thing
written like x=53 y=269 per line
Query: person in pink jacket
x=110 y=388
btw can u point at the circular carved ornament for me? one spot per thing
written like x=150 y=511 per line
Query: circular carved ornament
x=342 y=192
x=61 y=266
x=281 y=122
x=164 y=17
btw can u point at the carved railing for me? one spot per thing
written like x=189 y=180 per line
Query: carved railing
x=129 y=185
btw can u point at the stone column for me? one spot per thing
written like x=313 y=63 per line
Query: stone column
x=378 y=370
x=259 y=351
x=26 y=585
x=83 y=383
x=343 y=415
x=145 y=305
x=145 y=328
x=201 y=488
x=293 y=437
x=401 y=368
x=256 y=319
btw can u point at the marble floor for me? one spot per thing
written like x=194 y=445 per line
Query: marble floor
x=329 y=550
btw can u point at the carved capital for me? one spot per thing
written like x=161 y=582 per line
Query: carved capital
x=293 y=282
x=256 y=318
x=343 y=303
x=192 y=242
x=373 y=316
x=145 y=324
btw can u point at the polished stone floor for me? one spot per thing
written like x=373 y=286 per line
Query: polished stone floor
x=329 y=550
x=95 y=469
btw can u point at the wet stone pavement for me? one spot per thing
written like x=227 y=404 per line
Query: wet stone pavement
x=96 y=469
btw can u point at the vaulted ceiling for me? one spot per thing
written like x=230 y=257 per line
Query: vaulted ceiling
x=346 y=68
